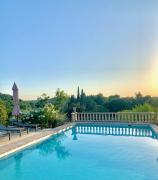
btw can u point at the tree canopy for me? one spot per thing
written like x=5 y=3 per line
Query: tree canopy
x=61 y=105
x=3 y=113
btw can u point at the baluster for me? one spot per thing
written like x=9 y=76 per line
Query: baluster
x=146 y=117
x=92 y=116
x=103 y=116
x=99 y=116
x=87 y=116
x=96 y=116
x=143 y=117
x=119 y=117
x=107 y=116
x=122 y=116
x=133 y=116
x=110 y=116
x=114 y=117
x=80 y=116
x=139 y=117
x=126 y=117
x=84 y=117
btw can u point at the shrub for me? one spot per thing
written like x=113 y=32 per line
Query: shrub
x=143 y=108
x=46 y=117
x=3 y=113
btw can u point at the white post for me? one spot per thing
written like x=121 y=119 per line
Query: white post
x=74 y=114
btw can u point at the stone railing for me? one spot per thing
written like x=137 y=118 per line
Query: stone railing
x=118 y=117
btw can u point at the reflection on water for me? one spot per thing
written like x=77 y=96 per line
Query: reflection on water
x=18 y=160
x=54 y=145
x=114 y=130
x=46 y=148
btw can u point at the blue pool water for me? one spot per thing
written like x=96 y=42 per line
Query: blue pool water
x=88 y=152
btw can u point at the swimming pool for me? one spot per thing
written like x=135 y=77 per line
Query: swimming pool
x=88 y=152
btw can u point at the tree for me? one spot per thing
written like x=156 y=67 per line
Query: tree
x=114 y=97
x=90 y=104
x=60 y=100
x=78 y=93
x=82 y=101
x=138 y=95
x=3 y=113
x=70 y=104
x=120 y=104
x=42 y=101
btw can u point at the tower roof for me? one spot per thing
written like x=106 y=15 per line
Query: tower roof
x=14 y=86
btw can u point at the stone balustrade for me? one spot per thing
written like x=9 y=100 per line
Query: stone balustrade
x=150 y=117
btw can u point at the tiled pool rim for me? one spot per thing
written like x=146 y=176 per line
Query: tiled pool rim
x=64 y=128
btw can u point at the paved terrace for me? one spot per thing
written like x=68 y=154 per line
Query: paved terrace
x=17 y=142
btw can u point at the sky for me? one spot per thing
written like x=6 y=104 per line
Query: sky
x=103 y=46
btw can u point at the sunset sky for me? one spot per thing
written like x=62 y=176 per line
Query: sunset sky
x=103 y=46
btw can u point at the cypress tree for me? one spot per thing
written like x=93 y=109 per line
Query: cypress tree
x=78 y=93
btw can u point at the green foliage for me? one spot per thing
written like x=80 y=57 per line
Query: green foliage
x=78 y=93
x=8 y=101
x=25 y=106
x=113 y=103
x=114 y=97
x=41 y=101
x=46 y=117
x=50 y=112
x=143 y=108
x=119 y=104
x=3 y=113
x=52 y=116
x=60 y=100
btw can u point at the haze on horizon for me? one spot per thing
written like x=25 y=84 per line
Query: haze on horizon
x=107 y=47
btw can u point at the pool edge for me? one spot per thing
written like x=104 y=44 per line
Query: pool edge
x=62 y=128
x=56 y=131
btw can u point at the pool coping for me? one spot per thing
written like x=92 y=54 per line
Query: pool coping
x=13 y=147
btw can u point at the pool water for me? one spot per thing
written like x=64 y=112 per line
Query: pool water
x=88 y=152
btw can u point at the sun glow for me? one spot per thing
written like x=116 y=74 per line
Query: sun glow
x=153 y=77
